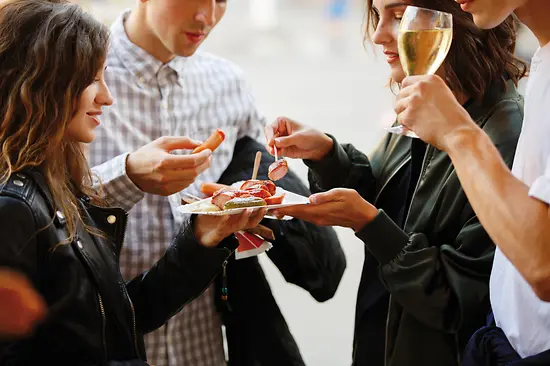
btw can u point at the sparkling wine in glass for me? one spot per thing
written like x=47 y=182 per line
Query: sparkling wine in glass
x=424 y=40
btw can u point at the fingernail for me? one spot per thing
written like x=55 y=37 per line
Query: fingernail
x=313 y=199
x=196 y=142
x=277 y=141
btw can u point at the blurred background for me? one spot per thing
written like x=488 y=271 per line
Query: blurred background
x=305 y=59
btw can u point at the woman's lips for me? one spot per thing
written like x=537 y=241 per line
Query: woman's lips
x=391 y=57
x=464 y=4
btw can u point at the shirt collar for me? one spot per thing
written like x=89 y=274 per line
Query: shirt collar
x=138 y=61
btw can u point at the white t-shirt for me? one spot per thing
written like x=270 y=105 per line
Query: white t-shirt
x=523 y=317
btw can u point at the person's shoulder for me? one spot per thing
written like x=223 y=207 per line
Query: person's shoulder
x=18 y=186
x=16 y=196
x=218 y=65
x=504 y=120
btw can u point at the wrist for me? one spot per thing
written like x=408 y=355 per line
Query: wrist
x=327 y=146
x=129 y=169
x=462 y=138
x=365 y=216
x=206 y=237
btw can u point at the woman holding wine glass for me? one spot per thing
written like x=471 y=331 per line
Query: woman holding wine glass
x=424 y=288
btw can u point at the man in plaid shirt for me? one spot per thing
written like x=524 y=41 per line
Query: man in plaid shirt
x=163 y=87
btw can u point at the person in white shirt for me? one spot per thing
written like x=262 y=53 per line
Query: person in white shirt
x=513 y=206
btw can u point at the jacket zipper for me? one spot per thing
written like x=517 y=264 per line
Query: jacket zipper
x=422 y=171
x=132 y=309
x=427 y=158
x=103 y=323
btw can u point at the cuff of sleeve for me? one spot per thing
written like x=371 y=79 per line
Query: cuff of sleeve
x=540 y=189
x=118 y=187
x=190 y=247
x=332 y=170
x=383 y=238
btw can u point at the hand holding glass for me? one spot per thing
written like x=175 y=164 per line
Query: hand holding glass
x=424 y=40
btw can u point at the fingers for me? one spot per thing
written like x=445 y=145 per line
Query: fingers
x=287 y=141
x=410 y=80
x=256 y=217
x=334 y=195
x=170 y=143
x=302 y=212
x=325 y=197
x=269 y=131
x=401 y=105
x=171 y=161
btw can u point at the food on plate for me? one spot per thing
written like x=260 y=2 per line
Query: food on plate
x=226 y=194
x=208 y=189
x=275 y=200
x=212 y=142
x=265 y=184
x=251 y=193
x=241 y=202
x=278 y=169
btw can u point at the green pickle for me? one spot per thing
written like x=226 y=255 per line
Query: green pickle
x=241 y=202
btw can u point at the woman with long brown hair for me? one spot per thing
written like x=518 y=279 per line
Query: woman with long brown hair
x=425 y=283
x=54 y=227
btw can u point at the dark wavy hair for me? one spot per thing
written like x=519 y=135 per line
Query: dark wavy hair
x=50 y=52
x=478 y=59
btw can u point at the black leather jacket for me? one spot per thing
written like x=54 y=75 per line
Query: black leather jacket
x=94 y=317
x=425 y=283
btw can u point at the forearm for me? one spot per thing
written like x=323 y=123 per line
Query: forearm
x=182 y=274
x=343 y=167
x=113 y=182
x=517 y=223
x=436 y=283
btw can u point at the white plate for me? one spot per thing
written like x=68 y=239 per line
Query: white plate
x=202 y=207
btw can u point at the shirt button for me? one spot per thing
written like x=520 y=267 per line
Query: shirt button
x=165 y=104
x=141 y=79
x=18 y=183
x=111 y=219
x=79 y=243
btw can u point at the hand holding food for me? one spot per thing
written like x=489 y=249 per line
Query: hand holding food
x=297 y=141
x=153 y=169
x=337 y=207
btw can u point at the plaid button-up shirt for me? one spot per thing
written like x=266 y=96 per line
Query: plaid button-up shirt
x=185 y=97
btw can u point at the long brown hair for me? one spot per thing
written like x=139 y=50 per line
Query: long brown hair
x=478 y=59
x=50 y=52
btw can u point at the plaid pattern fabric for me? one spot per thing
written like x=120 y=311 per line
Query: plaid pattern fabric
x=187 y=96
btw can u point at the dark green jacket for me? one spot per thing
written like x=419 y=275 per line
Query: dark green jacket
x=425 y=282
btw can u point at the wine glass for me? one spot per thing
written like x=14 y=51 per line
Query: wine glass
x=424 y=40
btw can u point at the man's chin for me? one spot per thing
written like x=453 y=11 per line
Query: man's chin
x=188 y=51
